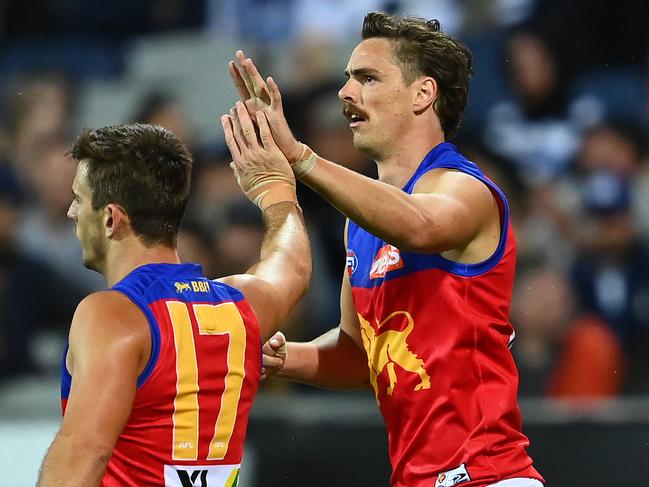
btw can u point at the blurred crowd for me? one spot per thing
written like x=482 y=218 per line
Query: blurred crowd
x=558 y=117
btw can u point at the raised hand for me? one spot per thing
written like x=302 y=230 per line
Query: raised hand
x=261 y=169
x=259 y=95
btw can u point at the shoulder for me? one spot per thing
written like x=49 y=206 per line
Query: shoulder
x=455 y=184
x=115 y=303
x=108 y=315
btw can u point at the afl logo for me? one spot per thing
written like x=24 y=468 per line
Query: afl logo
x=352 y=262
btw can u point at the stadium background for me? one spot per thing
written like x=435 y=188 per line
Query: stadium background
x=558 y=115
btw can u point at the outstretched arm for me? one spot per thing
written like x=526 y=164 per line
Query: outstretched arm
x=425 y=221
x=334 y=360
x=275 y=284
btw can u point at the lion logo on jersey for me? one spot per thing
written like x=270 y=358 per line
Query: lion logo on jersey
x=182 y=286
x=389 y=348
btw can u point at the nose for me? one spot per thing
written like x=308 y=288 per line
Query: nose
x=71 y=214
x=346 y=93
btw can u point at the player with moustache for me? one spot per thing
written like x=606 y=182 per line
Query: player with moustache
x=431 y=254
x=162 y=367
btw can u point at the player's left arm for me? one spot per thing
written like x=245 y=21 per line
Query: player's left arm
x=447 y=210
x=109 y=345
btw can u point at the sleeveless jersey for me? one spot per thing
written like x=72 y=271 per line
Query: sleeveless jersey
x=437 y=337
x=190 y=413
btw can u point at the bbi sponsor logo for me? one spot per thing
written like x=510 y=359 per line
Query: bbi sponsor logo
x=196 y=286
x=387 y=259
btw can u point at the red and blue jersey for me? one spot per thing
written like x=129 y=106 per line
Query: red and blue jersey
x=190 y=413
x=437 y=336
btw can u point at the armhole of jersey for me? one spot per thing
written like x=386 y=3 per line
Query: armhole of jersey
x=473 y=270
x=66 y=377
x=155 y=335
x=233 y=291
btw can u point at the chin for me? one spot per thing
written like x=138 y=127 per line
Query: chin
x=364 y=146
x=90 y=264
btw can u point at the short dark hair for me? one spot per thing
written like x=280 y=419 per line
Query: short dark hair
x=422 y=49
x=145 y=169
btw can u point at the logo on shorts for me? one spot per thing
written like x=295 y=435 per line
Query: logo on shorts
x=352 y=262
x=454 y=477
x=387 y=259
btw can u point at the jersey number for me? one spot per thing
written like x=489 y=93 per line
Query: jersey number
x=220 y=319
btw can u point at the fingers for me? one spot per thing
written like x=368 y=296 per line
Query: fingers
x=258 y=84
x=246 y=125
x=275 y=94
x=272 y=362
x=239 y=84
x=265 y=134
x=230 y=139
x=278 y=343
x=244 y=74
x=238 y=137
x=275 y=343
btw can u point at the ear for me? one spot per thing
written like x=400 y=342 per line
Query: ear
x=116 y=220
x=425 y=94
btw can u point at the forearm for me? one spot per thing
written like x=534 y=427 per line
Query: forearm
x=71 y=463
x=381 y=209
x=331 y=361
x=285 y=257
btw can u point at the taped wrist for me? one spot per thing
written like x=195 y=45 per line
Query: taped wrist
x=305 y=163
x=269 y=192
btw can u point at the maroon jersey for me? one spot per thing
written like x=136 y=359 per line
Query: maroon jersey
x=437 y=336
x=190 y=414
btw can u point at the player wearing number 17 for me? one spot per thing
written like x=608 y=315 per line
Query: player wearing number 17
x=162 y=367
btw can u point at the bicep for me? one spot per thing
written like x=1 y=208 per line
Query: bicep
x=106 y=352
x=458 y=207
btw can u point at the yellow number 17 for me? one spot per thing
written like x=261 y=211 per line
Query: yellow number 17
x=220 y=319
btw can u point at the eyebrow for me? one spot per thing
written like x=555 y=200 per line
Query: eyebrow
x=361 y=72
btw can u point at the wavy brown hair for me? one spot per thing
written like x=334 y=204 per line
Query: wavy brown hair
x=420 y=48
x=145 y=169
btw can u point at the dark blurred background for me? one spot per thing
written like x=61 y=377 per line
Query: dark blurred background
x=558 y=116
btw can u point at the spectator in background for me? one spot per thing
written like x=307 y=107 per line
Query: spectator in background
x=44 y=232
x=610 y=147
x=539 y=129
x=213 y=188
x=39 y=106
x=611 y=271
x=160 y=108
x=33 y=298
x=560 y=351
x=195 y=245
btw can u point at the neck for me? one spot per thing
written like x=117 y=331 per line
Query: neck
x=124 y=256
x=398 y=166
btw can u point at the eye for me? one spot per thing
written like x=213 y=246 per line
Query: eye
x=368 y=78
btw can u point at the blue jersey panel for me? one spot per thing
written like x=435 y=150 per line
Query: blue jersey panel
x=367 y=246
x=154 y=282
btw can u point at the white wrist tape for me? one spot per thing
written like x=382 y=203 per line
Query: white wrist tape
x=305 y=163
